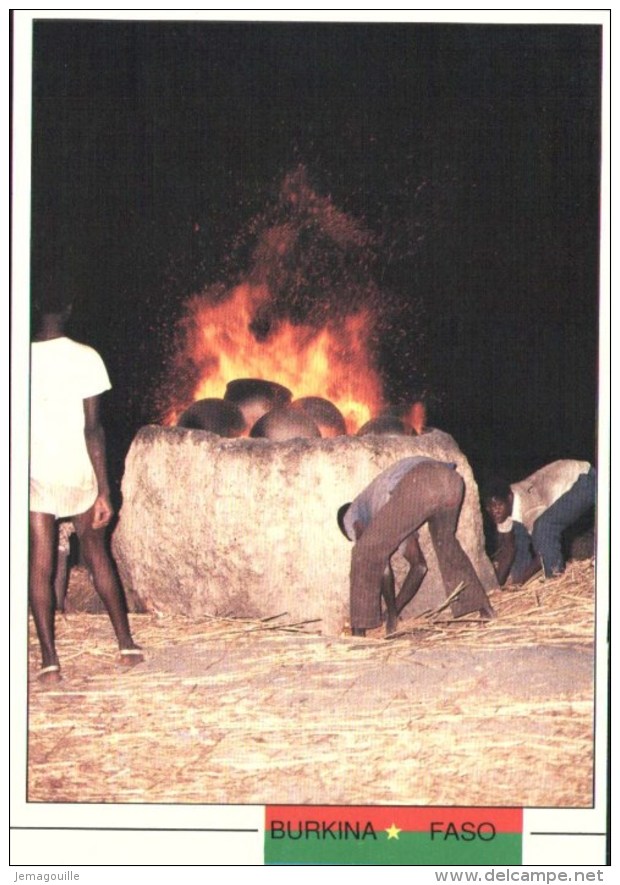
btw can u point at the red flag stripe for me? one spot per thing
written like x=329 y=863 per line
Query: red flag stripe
x=405 y=817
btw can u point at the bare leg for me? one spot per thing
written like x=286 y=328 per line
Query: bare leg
x=60 y=578
x=99 y=563
x=65 y=530
x=42 y=550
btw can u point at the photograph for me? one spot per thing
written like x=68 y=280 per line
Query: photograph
x=309 y=311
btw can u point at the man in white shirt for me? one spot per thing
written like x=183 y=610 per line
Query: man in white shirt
x=68 y=478
x=544 y=504
x=388 y=512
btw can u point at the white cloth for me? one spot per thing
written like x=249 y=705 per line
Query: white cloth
x=535 y=494
x=63 y=374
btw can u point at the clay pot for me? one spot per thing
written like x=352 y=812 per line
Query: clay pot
x=214 y=415
x=324 y=413
x=285 y=423
x=255 y=397
x=384 y=424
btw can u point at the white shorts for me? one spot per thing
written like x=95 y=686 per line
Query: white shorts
x=60 y=501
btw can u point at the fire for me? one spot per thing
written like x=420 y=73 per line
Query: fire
x=417 y=417
x=331 y=362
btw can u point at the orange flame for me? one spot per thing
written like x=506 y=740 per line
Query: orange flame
x=417 y=417
x=331 y=362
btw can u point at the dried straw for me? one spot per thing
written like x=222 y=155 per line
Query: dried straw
x=270 y=711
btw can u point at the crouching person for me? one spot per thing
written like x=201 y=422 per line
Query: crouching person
x=531 y=516
x=410 y=493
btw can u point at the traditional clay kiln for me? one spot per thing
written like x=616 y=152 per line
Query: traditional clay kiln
x=247 y=527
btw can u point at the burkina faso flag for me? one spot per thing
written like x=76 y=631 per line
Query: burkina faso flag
x=408 y=835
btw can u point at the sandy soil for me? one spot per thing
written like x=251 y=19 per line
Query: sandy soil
x=267 y=712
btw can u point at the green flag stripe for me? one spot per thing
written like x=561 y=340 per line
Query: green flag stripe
x=410 y=848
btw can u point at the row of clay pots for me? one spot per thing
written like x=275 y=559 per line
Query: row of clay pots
x=267 y=410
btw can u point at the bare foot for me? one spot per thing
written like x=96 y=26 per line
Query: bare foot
x=129 y=657
x=49 y=675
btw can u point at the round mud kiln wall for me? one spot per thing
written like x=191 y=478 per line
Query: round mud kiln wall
x=247 y=527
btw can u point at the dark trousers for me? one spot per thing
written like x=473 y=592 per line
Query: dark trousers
x=430 y=493
x=548 y=528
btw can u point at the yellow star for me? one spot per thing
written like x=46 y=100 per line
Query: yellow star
x=393 y=832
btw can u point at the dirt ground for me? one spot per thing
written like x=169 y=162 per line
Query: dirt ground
x=262 y=712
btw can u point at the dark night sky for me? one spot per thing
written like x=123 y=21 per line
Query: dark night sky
x=471 y=150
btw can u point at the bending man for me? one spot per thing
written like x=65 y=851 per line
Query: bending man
x=390 y=511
